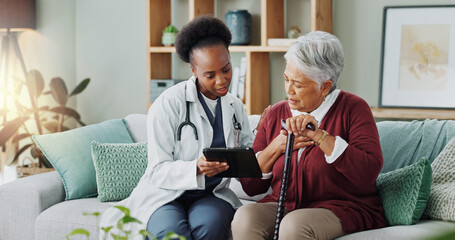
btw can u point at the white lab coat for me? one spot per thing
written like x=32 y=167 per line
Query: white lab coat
x=172 y=164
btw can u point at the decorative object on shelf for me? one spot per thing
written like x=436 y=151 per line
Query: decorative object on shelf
x=169 y=34
x=416 y=52
x=158 y=86
x=294 y=32
x=239 y=23
x=280 y=41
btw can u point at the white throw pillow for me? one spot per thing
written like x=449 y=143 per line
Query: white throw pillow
x=441 y=204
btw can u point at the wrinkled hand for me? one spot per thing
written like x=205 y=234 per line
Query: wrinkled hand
x=209 y=168
x=279 y=143
x=297 y=125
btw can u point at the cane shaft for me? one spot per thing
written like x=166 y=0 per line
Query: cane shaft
x=284 y=184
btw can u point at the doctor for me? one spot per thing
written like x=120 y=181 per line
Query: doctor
x=177 y=192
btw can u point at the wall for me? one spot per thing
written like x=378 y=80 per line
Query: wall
x=50 y=48
x=111 y=50
x=358 y=24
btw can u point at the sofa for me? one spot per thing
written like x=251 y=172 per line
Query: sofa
x=35 y=207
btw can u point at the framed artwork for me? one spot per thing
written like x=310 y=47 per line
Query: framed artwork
x=418 y=57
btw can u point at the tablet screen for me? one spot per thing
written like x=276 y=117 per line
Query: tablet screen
x=242 y=161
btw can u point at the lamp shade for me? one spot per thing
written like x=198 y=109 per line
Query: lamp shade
x=17 y=14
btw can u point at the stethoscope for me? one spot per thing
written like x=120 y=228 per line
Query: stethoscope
x=237 y=125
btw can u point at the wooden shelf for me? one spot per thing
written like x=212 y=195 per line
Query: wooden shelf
x=417 y=114
x=248 y=48
x=257 y=81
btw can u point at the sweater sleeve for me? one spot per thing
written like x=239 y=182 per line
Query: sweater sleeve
x=255 y=186
x=362 y=160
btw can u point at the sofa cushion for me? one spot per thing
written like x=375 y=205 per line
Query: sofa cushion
x=137 y=126
x=118 y=166
x=425 y=229
x=70 y=154
x=441 y=204
x=404 y=192
x=61 y=219
x=404 y=143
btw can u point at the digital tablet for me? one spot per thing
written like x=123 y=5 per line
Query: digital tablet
x=242 y=161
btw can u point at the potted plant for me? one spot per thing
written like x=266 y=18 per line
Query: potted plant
x=169 y=35
x=33 y=116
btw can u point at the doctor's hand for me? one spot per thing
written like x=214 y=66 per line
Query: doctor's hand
x=209 y=168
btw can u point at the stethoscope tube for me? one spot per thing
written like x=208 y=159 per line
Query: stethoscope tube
x=186 y=122
x=284 y=182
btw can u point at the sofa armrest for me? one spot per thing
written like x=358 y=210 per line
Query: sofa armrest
x=21 y=202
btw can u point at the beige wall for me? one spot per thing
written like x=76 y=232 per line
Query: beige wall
x=358 y=24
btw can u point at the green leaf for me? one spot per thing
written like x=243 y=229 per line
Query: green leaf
x=444 y=236
x=96 y=214
x=20 y=137
x=44 y=108
x=118 y=237
x=51 y=126
x=125 y=210
x=35 y=83
x=129 y=219
x=18 y=153
x=107 y=229
x=59 y=91
x=173 y=235
x=80 y=122
x=79 y=231
x=80 y=87
x=67 y=111
x=34 y=152
x=10 y=129
x=145 y=233
x=20 y=108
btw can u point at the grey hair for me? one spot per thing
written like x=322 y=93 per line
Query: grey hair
x=319 y=55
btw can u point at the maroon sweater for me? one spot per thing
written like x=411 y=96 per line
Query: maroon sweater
x=347 y=187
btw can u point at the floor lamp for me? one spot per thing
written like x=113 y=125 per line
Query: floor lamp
x=15 y=16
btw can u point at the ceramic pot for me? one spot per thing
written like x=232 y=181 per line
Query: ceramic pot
x=168 y=39
x=239 y=23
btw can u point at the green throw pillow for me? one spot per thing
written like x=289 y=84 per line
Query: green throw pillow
x=404 y=192
x=119 y=166
x=70 y=154
x=441 y=204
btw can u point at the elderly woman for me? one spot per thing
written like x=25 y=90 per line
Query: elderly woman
x=332 y=179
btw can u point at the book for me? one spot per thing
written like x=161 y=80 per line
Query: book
x=235 y=81
x=242 y=75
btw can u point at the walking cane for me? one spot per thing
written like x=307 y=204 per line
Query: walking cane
x=284 y=179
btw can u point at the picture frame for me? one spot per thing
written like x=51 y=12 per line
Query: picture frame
x=418 y=57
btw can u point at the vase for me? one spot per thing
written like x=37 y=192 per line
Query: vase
x=168 y=39
x=239 y=23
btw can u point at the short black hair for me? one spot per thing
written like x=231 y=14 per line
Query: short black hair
x=203 y=31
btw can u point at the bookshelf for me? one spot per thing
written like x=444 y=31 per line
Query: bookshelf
x=257 y=83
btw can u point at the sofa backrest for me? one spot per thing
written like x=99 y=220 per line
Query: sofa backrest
x=404 y=143
x=137 y=126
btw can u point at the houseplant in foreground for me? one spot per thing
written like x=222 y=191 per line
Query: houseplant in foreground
x=120 y=232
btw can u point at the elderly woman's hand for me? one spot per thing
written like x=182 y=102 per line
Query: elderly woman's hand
x=297 y=125
x=209 y=168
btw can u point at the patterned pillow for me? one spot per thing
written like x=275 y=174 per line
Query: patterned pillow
x=404 y=192
x=118 y=166
x=441 y=204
